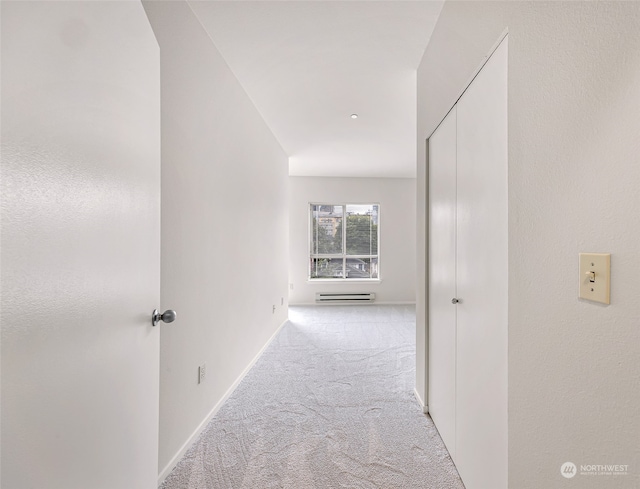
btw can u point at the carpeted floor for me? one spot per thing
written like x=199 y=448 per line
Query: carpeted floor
x=330 y=404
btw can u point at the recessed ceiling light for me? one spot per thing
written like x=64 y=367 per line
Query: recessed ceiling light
x=354 y=116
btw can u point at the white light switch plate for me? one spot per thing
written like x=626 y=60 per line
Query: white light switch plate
x=595 y=277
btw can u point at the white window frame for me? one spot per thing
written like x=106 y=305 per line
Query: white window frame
x=342 y=255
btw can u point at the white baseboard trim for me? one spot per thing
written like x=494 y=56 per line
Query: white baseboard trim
x=196 y=433
x=425 y=408
x=396 y=303
x=374 y=303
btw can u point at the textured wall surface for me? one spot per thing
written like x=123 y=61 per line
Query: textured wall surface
x=224 y=226
x=396 y=197
x=80 y=245
x=574 y=120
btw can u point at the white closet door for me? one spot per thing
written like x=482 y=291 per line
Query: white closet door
x=481 y=391
x=442 y=275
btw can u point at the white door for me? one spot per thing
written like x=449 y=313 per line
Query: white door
x=442 y=279
x=482 y=279
x=80 y=246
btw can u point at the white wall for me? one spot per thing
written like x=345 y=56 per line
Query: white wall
x=80 y=245
x=574 y=119
x=224 y=226
x=396 y=197
x=0 y=264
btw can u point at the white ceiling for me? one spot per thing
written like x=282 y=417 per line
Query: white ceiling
x=308 y=65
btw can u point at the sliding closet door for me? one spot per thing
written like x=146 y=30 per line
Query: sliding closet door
x=442 y=275
x=481 y=390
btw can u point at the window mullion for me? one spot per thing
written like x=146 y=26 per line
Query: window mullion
x=344 y=230
x=344 y=241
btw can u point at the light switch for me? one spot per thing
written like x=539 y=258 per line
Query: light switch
x=595 y=277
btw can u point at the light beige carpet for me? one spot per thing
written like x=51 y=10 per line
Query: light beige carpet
x=330 y=404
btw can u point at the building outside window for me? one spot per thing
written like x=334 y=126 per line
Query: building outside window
x=344 y=241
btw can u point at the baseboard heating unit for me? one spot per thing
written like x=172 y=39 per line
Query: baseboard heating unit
x=353 y=298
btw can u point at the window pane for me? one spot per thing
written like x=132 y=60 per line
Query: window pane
x=362 y=267
x=362 y=229
x=326 y=268
x=326 y=229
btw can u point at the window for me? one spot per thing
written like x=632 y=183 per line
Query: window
x=344 y=241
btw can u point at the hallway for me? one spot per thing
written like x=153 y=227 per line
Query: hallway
x=329 y=404
x=173 y=156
